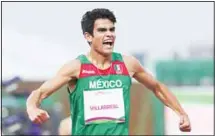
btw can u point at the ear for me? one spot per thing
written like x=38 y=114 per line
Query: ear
x=88 y=37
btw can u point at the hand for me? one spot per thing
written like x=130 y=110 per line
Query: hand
x=37 y=115
x=184 y=125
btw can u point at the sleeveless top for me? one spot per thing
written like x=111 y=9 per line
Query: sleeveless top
x=100 y=101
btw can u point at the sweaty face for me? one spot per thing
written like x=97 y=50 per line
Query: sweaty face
x=103 y=36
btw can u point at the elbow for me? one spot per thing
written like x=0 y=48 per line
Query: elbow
x=38 y=94
x=32 y=98
x=33 y=94
x=43 y=94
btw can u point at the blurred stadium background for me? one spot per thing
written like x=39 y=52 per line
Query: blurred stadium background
x=173 y=40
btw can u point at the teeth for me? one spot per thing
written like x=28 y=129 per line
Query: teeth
x=108 y=43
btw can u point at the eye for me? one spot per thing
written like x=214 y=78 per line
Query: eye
x=112 y=29
x=102 y=29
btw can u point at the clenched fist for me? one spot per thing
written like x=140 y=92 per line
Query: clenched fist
x=184 y=124
x=37 y=115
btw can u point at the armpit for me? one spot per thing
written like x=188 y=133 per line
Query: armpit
x=72 y=83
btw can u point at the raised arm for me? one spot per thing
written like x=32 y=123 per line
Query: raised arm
x=63 y=76
x=159 y=89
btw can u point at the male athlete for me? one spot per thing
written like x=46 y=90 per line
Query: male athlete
x=100 y=101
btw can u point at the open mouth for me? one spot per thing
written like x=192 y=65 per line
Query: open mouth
x=108 y=43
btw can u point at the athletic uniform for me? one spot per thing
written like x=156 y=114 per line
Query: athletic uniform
x=100 y=102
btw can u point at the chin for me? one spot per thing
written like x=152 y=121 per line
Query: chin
x=107 y=53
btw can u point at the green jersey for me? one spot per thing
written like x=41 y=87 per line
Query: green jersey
x=100 y=101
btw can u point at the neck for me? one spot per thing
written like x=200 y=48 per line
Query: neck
x=101 y=61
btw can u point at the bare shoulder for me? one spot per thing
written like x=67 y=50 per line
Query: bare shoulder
x=133 y=65
x=129 y=59
x=71 y=68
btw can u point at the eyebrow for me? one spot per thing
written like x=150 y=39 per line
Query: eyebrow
x=105 y=29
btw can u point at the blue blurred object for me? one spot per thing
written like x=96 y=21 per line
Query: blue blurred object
x=11 y=81
x=11 y=120
x=16 y=121
x=19 y=124
x=33 y=129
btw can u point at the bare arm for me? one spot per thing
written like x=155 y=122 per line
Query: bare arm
x=159 y=89
x=64 y=75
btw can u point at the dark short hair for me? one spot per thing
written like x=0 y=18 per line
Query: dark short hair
x=89 y=18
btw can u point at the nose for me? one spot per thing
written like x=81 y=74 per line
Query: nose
x=110 y=34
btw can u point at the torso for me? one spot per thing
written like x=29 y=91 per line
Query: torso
x=115 y=81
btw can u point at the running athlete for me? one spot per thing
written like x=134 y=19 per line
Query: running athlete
x=100 y=101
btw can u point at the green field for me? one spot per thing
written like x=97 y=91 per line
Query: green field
x=193 y=97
